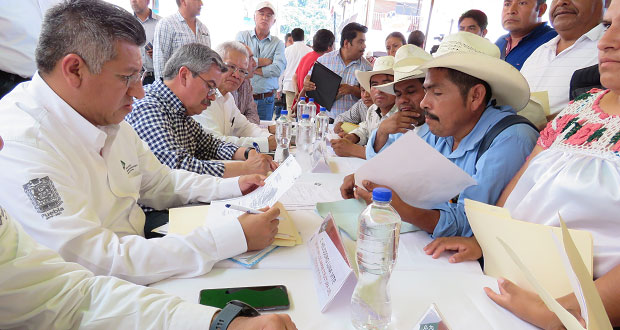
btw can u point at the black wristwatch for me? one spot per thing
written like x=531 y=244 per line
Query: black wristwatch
x=246 y=154
x=233 y=309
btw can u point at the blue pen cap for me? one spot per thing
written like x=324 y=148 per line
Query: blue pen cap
x=381 y=194
x=323 y=109
x=305 y=116
x=311 y=100
x=283 y=112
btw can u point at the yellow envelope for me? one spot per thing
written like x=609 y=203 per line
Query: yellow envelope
x=348 y=127
x=531 y=243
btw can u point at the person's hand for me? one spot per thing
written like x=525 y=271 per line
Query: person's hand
x=260 y=229
x=342 y=147
x=338 y=128
x=272 y=142
x=247 y=183
x=258 y=71
x=342 y=134
x=259 y=164
x=366 y=193
x=525 y=304
x=271 y=129
x=345 y=89
x=467 y=248
x=399 y=122
x=150 y=53
x=348 y=187
x=309 y=85
x=263 y=322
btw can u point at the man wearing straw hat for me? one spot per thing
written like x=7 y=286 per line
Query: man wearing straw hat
x=469 y=93
x=384 y=106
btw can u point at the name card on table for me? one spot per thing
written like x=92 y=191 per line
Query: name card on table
x=330 y=264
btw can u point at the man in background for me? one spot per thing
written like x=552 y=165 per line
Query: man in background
x=474 y=21
x=293 y=55
x=149 y=21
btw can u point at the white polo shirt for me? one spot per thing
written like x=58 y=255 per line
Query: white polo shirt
x=223 y=119
x=74 y=187
x=372 y=122
x=293 y=55
x=546 y=71
x=41 y=291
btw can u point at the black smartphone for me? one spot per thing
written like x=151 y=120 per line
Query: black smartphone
x=148 y=46
x=263 y=298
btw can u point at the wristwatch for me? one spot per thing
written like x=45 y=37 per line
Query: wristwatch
x=233 y=309
x=246 y=154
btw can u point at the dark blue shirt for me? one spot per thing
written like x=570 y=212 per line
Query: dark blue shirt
x=517 y=56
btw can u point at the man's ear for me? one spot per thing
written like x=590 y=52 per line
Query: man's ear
x=184 y=74
x=475 y=98
x=73 y=68
x=542 y=9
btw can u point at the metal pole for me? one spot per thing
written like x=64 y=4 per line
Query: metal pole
x=428 y=24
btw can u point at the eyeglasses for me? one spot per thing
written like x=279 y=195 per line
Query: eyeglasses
x=133 y=78
x=233 y=68
x=209 y=85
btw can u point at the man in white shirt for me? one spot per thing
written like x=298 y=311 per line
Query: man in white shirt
x=222 y=118
x=149 y=21
x=551 y=66
x=352 y=145
x=74 y=171
x=293 y=55
x=74 y=297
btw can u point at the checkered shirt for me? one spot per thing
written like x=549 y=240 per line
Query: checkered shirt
x=176 y=139
x=171 y=33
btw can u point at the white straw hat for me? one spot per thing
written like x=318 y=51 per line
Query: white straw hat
x=478 y=57
x=266 y=4
x=383 y=65
x=408 y=59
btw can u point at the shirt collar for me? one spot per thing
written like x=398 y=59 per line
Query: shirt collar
x=160 y=91
x=151 y=16
x=253 y=34
x=94 y=137
x=594 y=34
x=378 y=111
x=342 y=59
x=490 y=116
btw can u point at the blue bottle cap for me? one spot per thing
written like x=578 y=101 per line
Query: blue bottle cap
x=302 y=98
x=305 y=115
x=323 y=109
x=381 y=194
x=311 y=99
x=283 y=112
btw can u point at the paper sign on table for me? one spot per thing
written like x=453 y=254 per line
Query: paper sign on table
x=592 y=308
x=419 y=174
x=432 y=320
x=330 y=264
x=346 y=213
x=530 y=241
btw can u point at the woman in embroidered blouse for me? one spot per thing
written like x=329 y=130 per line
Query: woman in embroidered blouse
x=573 y=170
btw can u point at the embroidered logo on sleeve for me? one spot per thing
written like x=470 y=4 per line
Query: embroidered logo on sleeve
x=128 y=168
x=44 y=197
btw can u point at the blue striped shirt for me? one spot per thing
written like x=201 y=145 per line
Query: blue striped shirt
x=270 y=47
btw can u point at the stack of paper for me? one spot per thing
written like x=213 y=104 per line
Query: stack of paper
x=304 y=195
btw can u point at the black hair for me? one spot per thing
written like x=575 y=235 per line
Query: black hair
x=477 y=15
x=398 y=35
x=416 y=38
x=349 y=32
x=297 y=34
x=322 y=40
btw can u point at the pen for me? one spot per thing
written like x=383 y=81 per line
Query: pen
x=256 y=146
x=244 y=209
x=232 y=122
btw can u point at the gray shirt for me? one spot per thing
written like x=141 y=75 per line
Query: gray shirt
x=149 y=28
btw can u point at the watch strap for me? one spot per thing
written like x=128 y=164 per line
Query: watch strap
x=233 y=309
x=246 y=154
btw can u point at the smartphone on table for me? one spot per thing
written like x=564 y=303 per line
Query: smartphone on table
x=263 y=298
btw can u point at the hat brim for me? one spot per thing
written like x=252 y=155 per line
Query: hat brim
x=363 y=77
x=398 y=77
x=508 y=85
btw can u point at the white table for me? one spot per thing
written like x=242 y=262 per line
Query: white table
x=417 y=280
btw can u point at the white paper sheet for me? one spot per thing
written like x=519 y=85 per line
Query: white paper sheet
x=419 y=174
x=280 y=181
x=304 y=195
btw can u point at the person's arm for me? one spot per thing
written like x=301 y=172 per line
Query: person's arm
x=346 y=148
x=370 y=145
x=162 y=47
x=276 y=67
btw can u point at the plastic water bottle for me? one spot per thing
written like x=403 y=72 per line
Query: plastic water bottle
x=311 y=108
x=322 y=128
x=305 y=143
x=283 y=136
x=301 y=106
x=377 y=246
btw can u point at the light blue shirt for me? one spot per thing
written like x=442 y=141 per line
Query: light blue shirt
x=270 y=47
x=495 y=168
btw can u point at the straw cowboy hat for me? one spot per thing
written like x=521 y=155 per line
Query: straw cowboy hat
x=383 y=65
x=478 y=57
x=408 y=59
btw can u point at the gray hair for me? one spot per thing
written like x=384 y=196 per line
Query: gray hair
x=196 y=57
x=224 y=49
x=88 y=28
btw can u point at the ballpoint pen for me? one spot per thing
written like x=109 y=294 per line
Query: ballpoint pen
x=245 y=209
x=255 y=145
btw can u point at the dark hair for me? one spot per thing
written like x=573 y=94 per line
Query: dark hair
x=322 y=40
x=398 y=35
x=416 y=38
x=286 y=36
x=465 y=82
x=349 y=32
x=297 y=34
x=88 y=29
x=198 y=58
x=477 y=15
x=539 y=2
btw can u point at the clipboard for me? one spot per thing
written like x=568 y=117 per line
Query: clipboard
x=327 y=84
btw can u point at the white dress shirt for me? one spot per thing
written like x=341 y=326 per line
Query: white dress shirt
x=293 y=55
x=223 y=119
x=546 y=71
x=75 y=188
x=41 y=291
x=371 y=123
x=20 y=26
